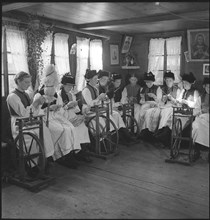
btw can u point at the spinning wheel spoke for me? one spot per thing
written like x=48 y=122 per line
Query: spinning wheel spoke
x=25 y=146
x=31 y=145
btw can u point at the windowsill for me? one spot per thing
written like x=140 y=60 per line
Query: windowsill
x=130 y=67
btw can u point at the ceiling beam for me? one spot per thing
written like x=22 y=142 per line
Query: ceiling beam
x=190 y=15
x=14 y=6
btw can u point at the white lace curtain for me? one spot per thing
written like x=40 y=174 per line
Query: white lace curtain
x=16 y=53
x=62 y=53
x=173 y=48
x=82 y=61
x=156 y=59
x=17 y=48
x=96 y=55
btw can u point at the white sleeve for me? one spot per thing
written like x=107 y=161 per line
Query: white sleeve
x=15 y=103
x=59 y=100
x=88 y=98
x=179 y=94
x=194 y=104
x=124 y=96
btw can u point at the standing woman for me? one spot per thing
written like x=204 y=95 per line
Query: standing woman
x=150 y=99
x=200 y=127
x=19 y=105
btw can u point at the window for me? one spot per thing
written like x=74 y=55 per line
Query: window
x=96 y=55
x=164 y=55
x=89 y=55
x=61 y=53
x=16 y=54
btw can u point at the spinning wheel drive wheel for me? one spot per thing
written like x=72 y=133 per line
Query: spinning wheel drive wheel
x=178 y=133
x=106 y=137
x=33 y=155
x=131 y=124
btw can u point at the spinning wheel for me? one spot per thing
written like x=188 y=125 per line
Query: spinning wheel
x=104 y=133
x=107 y=140
x=178 y=155
x=31 y=155
x=178 y=133
x=131 y=124
x=128 y=118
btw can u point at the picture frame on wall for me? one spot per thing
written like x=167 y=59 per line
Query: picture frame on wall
x=126 y=45
x=198 y=44
x=114 y=54
x=206 y=69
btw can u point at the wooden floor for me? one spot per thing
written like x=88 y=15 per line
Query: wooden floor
x=135 y=184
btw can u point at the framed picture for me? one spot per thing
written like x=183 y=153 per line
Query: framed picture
x=198 y=44
x=114 y=54
x=127 y=41
x=206 y=69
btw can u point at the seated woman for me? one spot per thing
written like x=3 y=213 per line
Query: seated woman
x=188 y=97
x=200 y=127
x=150 y=98
x=19 y=105
x=170 y=92
x=92 y=97
x=70 y=104
x=65 y=138
x=118 y=98
x=131 y=94
x=132 y=90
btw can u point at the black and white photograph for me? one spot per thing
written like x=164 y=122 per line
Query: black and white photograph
x=105 y=110
x=206 y=69
x=114 y=54
x=198 y=44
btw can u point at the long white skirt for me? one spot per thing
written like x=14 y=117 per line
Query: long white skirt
x=64 y=135
x=166 y=115
x=200 y=129
x=148 y=116
x=81 y=130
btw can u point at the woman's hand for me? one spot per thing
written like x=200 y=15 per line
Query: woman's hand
x=55 y=107
x=102 y=96
x=71 y=104
x=38 y=101
x=152 y=95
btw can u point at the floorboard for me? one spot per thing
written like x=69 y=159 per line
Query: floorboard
x=136 y=184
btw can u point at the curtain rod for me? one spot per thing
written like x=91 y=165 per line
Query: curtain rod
x=59 y=26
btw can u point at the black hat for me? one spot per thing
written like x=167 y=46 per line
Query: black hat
x=149 y=76
x=116 y=76
x=90 y=74
x=206 y=81
x=68 y=78
x=102 y=73
x=169 y=75
x=189 y=77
